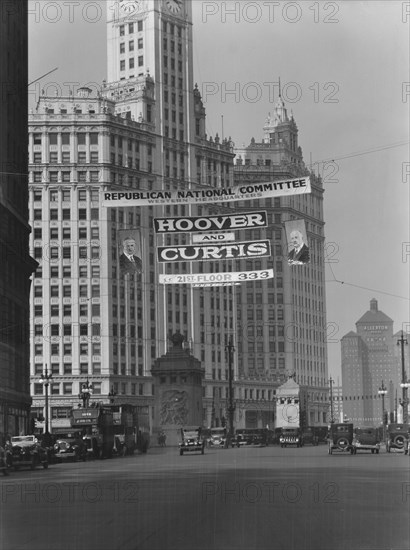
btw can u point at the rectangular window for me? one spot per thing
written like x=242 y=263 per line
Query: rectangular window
x=65 y=157
x=66 y=291
x=67 y=388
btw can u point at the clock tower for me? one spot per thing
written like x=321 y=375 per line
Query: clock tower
x=150 y=68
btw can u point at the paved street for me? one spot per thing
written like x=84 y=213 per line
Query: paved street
x=248 y=498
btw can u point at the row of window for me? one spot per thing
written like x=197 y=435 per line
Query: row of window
x=171 y=44
x=64 y=388
x=54 y=329
x=172 y=81
x=83 y=157
x=55 y=292
x=55 y=351
x=65 y=176
x=172 y=29
x=131 y=63
x=131 y=45
x=131 y=27
x=65 y=233
x=84 y=271
x=172 y=63
x=81 y=139
x=66 y=214
x=65 y=138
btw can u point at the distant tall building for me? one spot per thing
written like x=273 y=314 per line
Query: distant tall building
x=369 y=357
x=283 y=320
x=16 y=264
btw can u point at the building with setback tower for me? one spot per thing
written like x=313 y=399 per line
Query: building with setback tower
x=283 y=320
x=145 y=130
x=369 y=357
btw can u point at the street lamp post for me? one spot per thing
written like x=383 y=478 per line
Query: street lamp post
x=404 y=384
x=86 y=393
x=383 y=391
x=231 y=406
x=331 y=400
x=45 y=380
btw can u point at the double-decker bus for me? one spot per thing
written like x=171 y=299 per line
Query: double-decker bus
x=131 y=428
x=96 y=427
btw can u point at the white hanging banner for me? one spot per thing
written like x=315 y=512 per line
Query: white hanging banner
x=246 y=191
x=212 y=237
x=216 y=251
x=216 y=278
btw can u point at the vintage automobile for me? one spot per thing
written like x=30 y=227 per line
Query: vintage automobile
x=191 y=440
x=218 y=438
x=246 y=436
x=291 y=436
x=340 y=438
x=366 y=439
x=397 y=437
x=69 y=447
x=260 y=437
x=309 y=436
x=26 y=451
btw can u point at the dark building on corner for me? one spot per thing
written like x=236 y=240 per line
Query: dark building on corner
x=16 y=264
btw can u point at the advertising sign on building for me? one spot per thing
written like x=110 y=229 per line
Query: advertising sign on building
x=217 y=251
x=215 y=278
x=211 y=223
x=246 y=191
x=212 y=237
x=130 y=254
x=298 y=247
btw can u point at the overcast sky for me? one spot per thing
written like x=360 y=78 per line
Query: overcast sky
x=344 y=70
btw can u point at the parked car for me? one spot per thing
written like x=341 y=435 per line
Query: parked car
x=397 y=437
x=366 y=439
x=340 y=438
x=309 y=436
x=246 y=436
x=291 y=436
x=26 y=451
x=70 y=448
x=191 y=440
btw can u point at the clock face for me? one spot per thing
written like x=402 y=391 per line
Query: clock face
x=174 y=6
x=129 y=6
